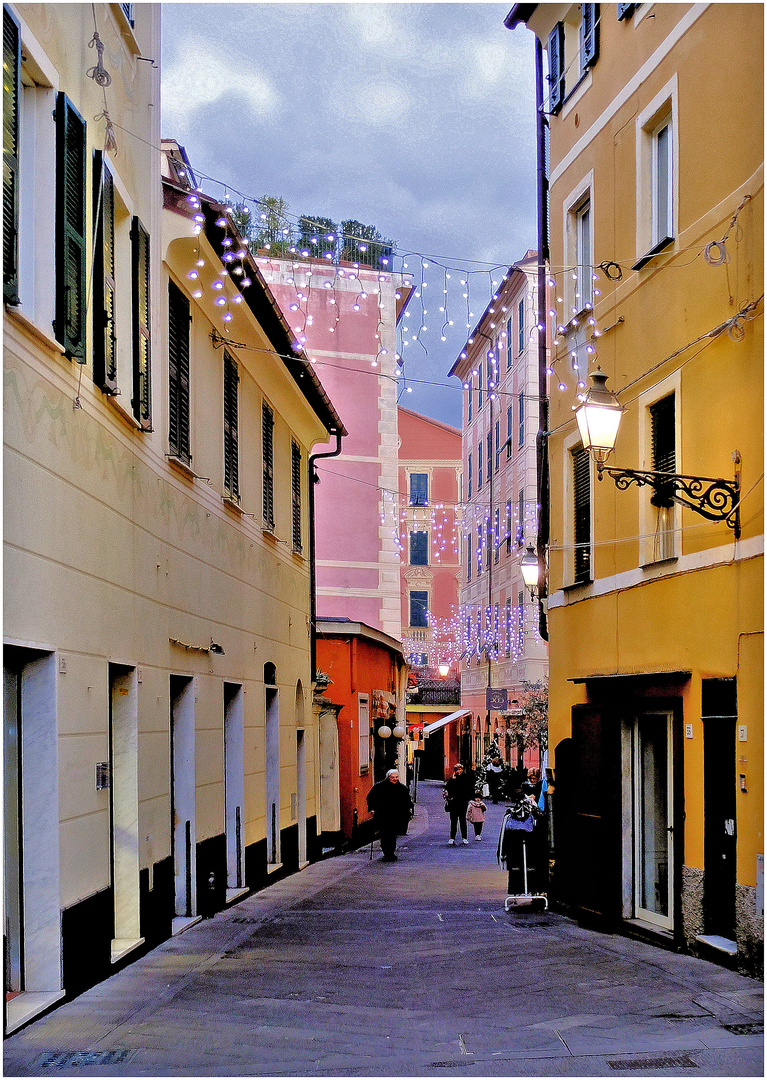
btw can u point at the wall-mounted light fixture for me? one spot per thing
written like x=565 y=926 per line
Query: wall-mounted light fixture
x=599 y=416
x=531 y=572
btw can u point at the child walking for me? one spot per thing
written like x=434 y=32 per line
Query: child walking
x=476 y=815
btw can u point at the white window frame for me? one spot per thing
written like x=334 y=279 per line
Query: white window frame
x=363 y=732
x=37 y=182
x=659 y=527
x=581 y=197
x=661 y=112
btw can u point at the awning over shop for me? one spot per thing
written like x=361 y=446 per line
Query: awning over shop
x=428 y=728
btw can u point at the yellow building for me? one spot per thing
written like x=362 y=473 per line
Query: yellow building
x=161 y=750
x=653 y=113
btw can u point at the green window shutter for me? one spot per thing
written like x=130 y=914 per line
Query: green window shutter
x=104 y=328
x=69 y=326
x=142 y=347
x=582 y=514
x=231 y=448
x=178 y=373
x=295 y=483
x=267 y=445
x=11 y=104
x=589 y=34
x=556 y=67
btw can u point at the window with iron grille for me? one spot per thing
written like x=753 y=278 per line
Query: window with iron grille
x=104 y=325
x=69 y=324
x=582 y=514
x=142 y=352
x=231 y=447
x=295 y=484
x=419 y=489
x=267 y=451
x=178 y=373
x=419 y=549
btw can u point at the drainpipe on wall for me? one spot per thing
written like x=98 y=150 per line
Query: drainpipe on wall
x=542 y=447
x=314 y=479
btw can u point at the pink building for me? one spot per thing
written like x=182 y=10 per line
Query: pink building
x=345 y=316
x=430 y=571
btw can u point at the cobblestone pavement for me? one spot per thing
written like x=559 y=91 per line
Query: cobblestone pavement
x=355 y=967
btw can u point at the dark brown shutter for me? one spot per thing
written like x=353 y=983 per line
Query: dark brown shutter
x=11 y=102
x=104 y=330
x=178 y=373
x=142 y=352
x=69 y=325
x=295 y=481
x=231 y=448
x=663 y=434
x=582 y=514
x=267 y=443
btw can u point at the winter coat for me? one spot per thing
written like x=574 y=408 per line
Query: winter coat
x=391 y=805
x=476 y=811
x=459 y=790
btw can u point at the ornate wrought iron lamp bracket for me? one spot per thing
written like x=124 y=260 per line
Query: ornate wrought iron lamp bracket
x=711 y=497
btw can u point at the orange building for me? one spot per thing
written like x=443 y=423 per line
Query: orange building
x=361 y=699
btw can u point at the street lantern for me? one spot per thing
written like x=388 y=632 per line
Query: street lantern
x=530 y=570
x=599 y=416
x=444 y=669
x=714 y=498
x=384 y=731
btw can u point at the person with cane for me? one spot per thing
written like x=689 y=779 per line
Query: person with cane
x=389 y=801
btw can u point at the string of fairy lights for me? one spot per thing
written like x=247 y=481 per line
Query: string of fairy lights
x=474 y=630
x=442 y=296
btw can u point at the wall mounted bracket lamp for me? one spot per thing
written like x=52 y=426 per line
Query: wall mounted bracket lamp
x=599 y=416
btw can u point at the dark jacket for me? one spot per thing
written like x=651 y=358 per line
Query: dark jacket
x=391 y=805
x=459 y=790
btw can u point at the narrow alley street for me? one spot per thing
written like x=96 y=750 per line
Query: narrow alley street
x=356 y=967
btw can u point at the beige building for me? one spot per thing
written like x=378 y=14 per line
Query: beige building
x=161 y=753
x=501 y=643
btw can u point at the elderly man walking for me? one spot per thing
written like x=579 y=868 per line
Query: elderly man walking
x=389 y=800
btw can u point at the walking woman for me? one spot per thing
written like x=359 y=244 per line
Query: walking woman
x=458 y=791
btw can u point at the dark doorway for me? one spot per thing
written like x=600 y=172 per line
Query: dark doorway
x=433 y=758
x=720 y=715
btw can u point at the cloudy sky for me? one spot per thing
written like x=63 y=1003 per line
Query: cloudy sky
x=415 y=118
